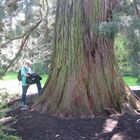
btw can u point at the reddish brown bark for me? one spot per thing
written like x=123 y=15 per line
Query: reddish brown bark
x=84 y=80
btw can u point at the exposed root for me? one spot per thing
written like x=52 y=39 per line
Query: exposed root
x=110 y=111
x=126 y=108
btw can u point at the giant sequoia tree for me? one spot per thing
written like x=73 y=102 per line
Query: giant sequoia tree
x=84 y=80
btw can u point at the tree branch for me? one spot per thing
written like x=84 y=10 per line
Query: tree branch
x=24 y=40
x=19 y=37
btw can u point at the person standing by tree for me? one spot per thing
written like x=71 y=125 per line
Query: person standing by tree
x=26 y=73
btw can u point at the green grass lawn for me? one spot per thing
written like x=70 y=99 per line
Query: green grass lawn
x=131 y=81
x=13 y=76
x=10 y=76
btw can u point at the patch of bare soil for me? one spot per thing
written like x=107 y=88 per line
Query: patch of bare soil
x=35 y=126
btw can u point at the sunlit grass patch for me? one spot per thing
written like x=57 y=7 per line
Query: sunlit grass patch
x=10 y=75
x=131 y=81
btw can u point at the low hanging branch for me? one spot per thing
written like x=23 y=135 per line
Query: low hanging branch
x=20 y=37
x=24 y=40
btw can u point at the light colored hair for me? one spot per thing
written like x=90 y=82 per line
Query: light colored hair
x=28 y=61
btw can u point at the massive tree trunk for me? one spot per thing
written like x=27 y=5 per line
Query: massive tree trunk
x=84 y=80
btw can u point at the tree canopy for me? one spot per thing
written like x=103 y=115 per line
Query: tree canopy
x=25 y=32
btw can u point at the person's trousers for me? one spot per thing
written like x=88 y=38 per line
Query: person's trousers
x=23 y=97
x=39 y=88
x=24 y=92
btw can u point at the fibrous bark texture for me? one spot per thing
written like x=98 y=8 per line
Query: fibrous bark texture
x=84 y=80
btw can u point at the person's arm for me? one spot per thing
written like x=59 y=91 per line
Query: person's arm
x=24 y=72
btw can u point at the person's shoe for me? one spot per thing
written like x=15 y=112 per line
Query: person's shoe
x=24 y=108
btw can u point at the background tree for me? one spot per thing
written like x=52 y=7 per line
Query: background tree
x=84 y=79
x=23 y=33
x=130 y=29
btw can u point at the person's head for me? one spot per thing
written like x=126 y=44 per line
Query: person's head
x=27 y=63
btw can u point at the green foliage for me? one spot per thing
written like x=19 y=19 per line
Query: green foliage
x=122 y=54
x=39 y=67
x=4 y=136
x=127 y=46
x=107 y=29
x=136 y=23
x=128 y=25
